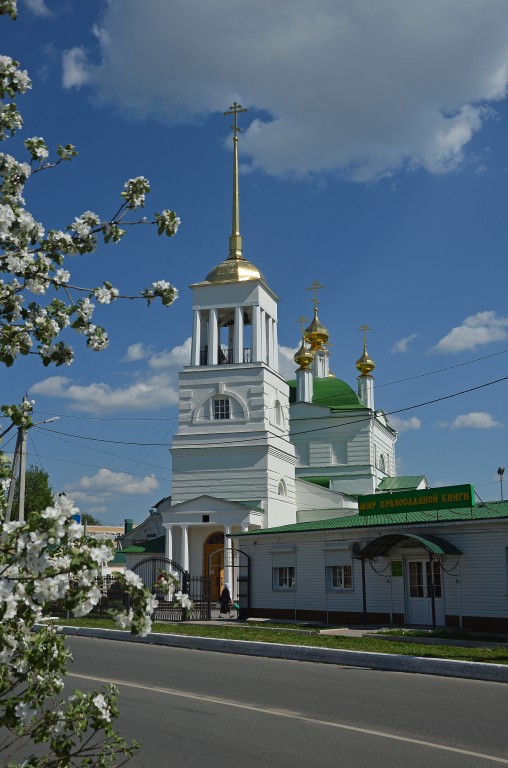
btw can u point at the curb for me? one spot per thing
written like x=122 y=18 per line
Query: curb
x=470 y=670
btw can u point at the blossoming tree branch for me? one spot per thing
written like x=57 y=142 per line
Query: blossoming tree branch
x=46 y=558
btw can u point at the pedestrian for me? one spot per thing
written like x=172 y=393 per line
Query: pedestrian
x=225 y=601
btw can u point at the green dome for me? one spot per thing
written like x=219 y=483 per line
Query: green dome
x=331 y=393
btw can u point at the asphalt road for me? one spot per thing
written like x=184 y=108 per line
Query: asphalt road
x=204 y=709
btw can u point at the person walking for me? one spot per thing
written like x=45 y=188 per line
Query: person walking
x=225 y=601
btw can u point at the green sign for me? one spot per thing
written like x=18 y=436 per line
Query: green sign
x=396 y=567
x=449 y=497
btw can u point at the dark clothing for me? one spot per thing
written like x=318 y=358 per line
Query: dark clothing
x=225 y=600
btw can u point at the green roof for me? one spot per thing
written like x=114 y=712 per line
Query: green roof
x=400 y=483
x=488 y=511
x=331 y=393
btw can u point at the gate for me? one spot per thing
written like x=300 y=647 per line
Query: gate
x=197 y=587
x=239 y=562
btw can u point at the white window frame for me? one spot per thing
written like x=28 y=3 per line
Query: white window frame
x=221 y=408
x=284 y=578
x=333 y=570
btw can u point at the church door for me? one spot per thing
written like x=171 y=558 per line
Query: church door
x=214 y=545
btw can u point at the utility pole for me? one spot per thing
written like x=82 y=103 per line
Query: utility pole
x=19 y=458
x=500 y=472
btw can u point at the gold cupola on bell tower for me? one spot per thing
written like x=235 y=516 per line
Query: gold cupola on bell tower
x=365 y=364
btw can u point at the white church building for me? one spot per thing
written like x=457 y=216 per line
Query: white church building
x=252 y=450
x=286 y=474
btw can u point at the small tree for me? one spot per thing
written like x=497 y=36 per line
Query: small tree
x=46 y=557
x=38 y=492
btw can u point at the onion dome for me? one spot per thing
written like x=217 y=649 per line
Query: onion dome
x=304 y=357
x=365 y=364
x=234 y=270
x=316 y=334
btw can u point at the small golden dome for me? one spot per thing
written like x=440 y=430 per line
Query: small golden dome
x=365 y=364
x=303 y=357
x=316 y=334
x=234 y=270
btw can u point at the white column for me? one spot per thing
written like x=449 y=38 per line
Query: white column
x=262 y=334
x=256 y=334
x=196 y=337
x=366 y=390
x=185 y=548
x=213 y=337
x=168 y=549
x=275 y=361
x=304 y=385
x=238 y=338
x=228 y=559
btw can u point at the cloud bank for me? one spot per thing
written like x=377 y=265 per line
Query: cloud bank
x=357 y=87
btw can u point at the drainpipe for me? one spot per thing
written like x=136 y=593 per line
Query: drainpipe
x=432 y=595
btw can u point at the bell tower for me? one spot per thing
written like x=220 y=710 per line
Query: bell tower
x=233 y=433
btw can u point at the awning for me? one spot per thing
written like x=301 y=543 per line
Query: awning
x=384 y=544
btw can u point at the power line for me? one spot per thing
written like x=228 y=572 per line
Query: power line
x=293 y=432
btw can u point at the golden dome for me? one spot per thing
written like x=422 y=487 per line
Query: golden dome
x=234 y=270
x=316 y=334
x=365 y=364
x=303 y=357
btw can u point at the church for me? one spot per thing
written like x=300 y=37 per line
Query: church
x=276 y=470
x=254 y=451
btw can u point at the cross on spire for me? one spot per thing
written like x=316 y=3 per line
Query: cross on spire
x=365 y=328
x=315 y=286
x=235 y=109
x=303 y=320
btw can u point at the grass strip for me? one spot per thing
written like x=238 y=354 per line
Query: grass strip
x=371 y=644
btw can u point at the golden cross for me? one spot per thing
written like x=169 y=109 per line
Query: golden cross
x=315 y=286
x=303 y=320
x=365 y=328
x=234 y=110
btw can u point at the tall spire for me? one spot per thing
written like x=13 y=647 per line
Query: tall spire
x=235 y=240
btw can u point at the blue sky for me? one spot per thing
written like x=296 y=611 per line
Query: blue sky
x=374 y=159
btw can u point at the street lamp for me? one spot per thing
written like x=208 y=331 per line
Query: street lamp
x=20 y=457
x=500 y=472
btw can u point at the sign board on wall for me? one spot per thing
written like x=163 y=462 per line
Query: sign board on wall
x=448 y=497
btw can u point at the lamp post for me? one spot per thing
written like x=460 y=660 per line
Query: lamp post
x=500 y=472
x=20 y=457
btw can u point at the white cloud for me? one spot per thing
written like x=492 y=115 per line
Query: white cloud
x=76 y=70
x=287 y=365
x=403 y=344
x=475 y=331
x=38 y=7
x=172 y=358
x=475 y=420
x=146 y=393
x=106 y=483
x=404 y=425
x=135 y=352
x=154 y=387
x=365 y=88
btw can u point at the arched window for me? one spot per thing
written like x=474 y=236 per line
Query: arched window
x=282 y=488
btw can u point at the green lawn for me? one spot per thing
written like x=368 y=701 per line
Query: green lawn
x=283 y=635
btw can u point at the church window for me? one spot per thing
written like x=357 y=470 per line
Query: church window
x=282 y=490
x=221 y=408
